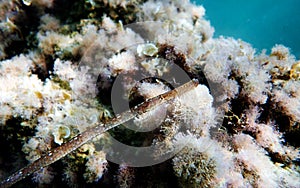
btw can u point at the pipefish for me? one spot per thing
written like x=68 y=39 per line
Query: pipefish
x=59 y=152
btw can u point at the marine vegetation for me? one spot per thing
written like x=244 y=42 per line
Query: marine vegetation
x=141 y=94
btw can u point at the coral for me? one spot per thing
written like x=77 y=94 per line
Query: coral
x=44 y=176
x=201 y=162
x=96 y=166
x=196 y=168
x=27 y=101
x=262 y=171
x=238 y=128
x=195 y=109
x=125 y=177
x=123 y=62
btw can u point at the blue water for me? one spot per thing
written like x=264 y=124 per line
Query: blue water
x=263 y=23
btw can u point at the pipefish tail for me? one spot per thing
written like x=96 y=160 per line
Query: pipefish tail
x=66 y=148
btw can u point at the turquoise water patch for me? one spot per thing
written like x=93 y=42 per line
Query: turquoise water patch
x=263 y=23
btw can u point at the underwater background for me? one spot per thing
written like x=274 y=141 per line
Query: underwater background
x=65 y=75
x=263 y=23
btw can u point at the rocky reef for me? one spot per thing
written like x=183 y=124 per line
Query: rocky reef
x=67 y=66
